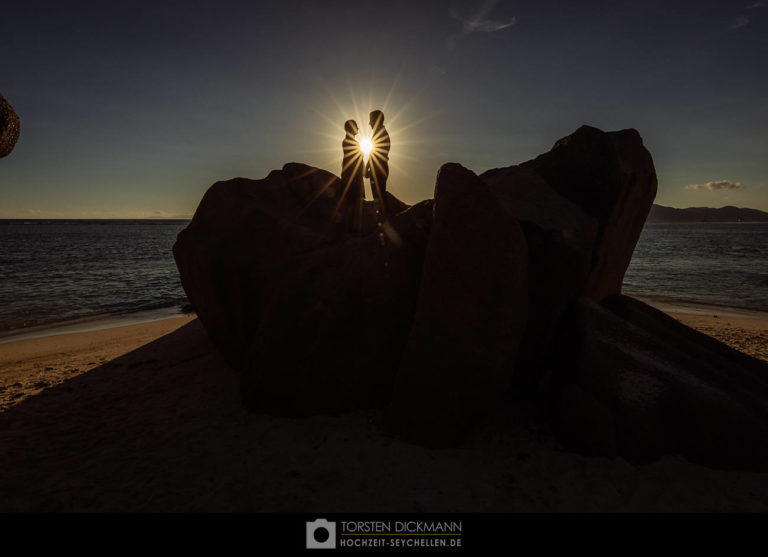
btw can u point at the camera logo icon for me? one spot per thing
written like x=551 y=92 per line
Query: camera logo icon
x=321 y=534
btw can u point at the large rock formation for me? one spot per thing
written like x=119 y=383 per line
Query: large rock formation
x=244 y=232
x=500 y=281
x=315 y=317
x=9 y=127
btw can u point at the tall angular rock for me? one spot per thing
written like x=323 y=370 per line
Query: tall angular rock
x=612 y=178
x=470 y=317
x=561 y=240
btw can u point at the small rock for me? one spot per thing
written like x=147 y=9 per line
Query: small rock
x=10 y=127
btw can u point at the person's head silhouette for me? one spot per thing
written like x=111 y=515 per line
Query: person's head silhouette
x=376 y=119
x=350 y=126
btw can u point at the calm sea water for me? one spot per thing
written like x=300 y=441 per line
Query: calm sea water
x=65 y=270
x=59 y=271
x=709 y=264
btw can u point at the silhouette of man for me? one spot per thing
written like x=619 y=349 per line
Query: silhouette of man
x=378 y=159
x=352 y=176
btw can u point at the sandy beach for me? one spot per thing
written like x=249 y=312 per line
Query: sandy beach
x=747 y=333
x=147 y=417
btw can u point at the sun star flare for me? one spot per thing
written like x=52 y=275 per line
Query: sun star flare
x=366 y=146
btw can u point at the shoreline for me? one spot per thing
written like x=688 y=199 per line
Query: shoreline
x=92 y=323
x=671 y=306
x=98 y=323
x=707 y=222
x=30 y=365
x=35 y=360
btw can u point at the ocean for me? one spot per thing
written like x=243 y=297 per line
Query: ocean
x=75 y=272
x=711 y=264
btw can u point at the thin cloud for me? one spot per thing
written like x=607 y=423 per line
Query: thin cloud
x=436 y=70
x=488 y=25
x=744 y=20
x=741 y=21
x=717 y=185
x=480 y=20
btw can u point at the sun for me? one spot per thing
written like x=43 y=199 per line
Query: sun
x=366 y=146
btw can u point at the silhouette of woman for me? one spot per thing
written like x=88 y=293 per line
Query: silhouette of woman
x=378 y=160
x=352 y=176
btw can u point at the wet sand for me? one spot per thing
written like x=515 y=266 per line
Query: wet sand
x=147 y=418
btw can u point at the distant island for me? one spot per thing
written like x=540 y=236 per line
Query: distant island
x=661 y=214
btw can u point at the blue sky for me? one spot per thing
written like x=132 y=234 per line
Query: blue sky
x=132 y=109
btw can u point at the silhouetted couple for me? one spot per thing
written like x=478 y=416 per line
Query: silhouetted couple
x=354 y=169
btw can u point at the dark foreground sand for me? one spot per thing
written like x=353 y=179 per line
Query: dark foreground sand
x=148 y=418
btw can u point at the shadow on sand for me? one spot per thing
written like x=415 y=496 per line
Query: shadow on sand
x=162 y=429
x=100 y=440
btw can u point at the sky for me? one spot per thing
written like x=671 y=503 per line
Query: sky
x=133 y=109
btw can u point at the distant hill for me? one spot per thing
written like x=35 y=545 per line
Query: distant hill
x=661 y=214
